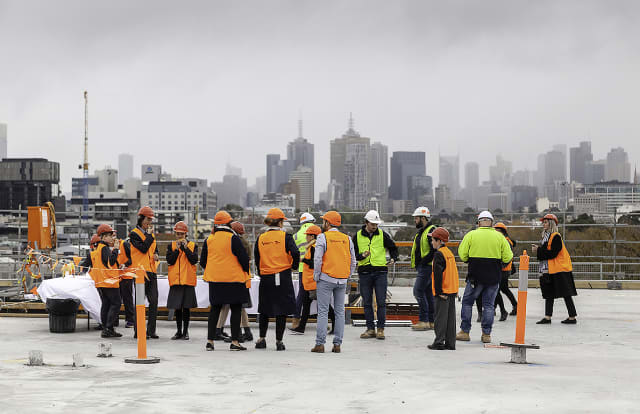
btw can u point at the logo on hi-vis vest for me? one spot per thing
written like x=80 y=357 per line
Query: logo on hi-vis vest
x=339 y=241
x=264 y=243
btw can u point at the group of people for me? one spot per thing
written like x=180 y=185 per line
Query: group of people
x=324 y=258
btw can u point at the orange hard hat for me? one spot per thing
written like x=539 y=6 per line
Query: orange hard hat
x=146 y=211
x=440 y=233
x=104 y=228
x=333 y=217
x=275 y=213
x=222 y=217
x=181 y=227
x=237 y=227
x=313 y=230
x=94 y=239
x=550 y=217
x=500 y=225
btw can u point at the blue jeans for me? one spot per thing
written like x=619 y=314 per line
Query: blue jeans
x=423 y=294
x=368 y=282
x=325 y=291
x=488 y=293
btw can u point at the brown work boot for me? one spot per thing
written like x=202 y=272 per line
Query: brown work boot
x=295 y=322
x=319 y=349
x=420 y=326
x=380 y=334
x=463 y=336
x=369 y=333
x=485 y=338
x=336 y=348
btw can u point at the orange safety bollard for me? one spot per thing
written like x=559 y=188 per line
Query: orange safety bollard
x=141 y=326
x=519 y=348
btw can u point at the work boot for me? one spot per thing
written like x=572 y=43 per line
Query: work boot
x=261 y=344
x=420 y=326
x=280 y=346
x=503 y=316
x=295 y=322
x=116 y=334
x=463 y=336
x=369 y=333
x=380 y=333
x=437 y=347
x=486 y=338
x=430 y=326
x=335 y=349
x=319 y=349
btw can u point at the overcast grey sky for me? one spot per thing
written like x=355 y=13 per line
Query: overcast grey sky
x=194 y=85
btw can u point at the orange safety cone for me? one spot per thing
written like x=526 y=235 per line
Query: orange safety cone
x=519 y=348
x=141 y=327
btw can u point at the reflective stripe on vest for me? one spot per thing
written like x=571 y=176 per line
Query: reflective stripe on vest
x=222 y=264
x=307 y=273
x=301 y=241
x=336 y=261
x=273 y=252
x=373 y=245
x=425 y=247
x=562 y=262
x=99 y=271
x=144 y=260
x=450 y=278
x=182 y=272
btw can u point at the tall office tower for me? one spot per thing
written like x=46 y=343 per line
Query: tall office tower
x=379 y=170
x=471 y=175
x=300 y=153
x=449 y=170
x=405 y=164
x=302 y=182
x=618 y=167
x=501 y=172
x=555 y=167
x=579 y=158
x=125 y=167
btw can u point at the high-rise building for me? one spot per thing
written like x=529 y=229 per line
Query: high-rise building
x=420 y=190
x=150 y=172
x=300 y=153
x=595 y=171
x=107 y=179
x=405 y=164
x=28 y=182
x=443 y=198
x=125 y=167
x=618 y=167
x=562 y=148
x=579 y=159
x=555 y=167
x=278 y=171
x=379 y=171
x=523 y=197
x=501 y=172
x=302 y=180
x=471 y=175
x=3 y=141
x=449 y=169
x=231 y=190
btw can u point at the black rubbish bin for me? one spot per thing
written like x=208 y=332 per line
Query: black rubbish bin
x=62 y=315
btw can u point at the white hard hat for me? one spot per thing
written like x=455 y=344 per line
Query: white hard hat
x=372 y=216
x=485 y=215
x=305 y=217
x=422 y=212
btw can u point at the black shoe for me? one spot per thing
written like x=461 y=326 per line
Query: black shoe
x=185 y=336
x=224 y=334
x=280 y=346
x=543 y=321
x=261 y=344
x=233 y=347
x=227 y=339
x=514 y=312
x=106 y=334
x=209 y=346
x=503 y=316
x=116 y=334
x=152 y=336
x=570 y=321
x=437 y=347
x=449 y=347
x=240 y=339
x=247 y=336
x=178 y=335
x=98 y=327
x=220 y=335
x=479 y=317
x=297 y=330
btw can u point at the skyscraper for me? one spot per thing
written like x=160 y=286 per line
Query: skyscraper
x=3 y=141
x=277 y=172
x=125 y=167
x=618 y=167
x=405 y=164
x=579 y=158
x=471 y=175
x=379 y=169
x=302 y=180
x=501 y=172
x=449 y=170
x=300 y=153
x=555 y=167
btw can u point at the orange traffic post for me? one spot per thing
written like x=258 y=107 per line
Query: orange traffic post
x=141 y=326
x=519 y=348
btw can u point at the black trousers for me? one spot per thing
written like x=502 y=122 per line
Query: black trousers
x=110 y=306
x=571 y=307
x=214 y=314
x=306 y=310
x=151 y=292
x=183 y=316
x=281 y=323
x=126 y=293
x=445 y=321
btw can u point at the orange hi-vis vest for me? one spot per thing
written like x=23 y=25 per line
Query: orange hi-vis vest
x=122 y=259
x=222 y=265
x=182 y=272
x=143 y=260
x=336 y=261
x=100 y=273
x=307 y=273
x=507 y=267
x=273 y=252
x=450 y=278
x=562 y=262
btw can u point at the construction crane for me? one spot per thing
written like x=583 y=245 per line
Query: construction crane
x=85 y=165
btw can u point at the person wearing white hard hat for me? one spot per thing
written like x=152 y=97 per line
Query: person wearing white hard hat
x=486 y=251
x=306 y=221
x=421 y=259
x=370 y=245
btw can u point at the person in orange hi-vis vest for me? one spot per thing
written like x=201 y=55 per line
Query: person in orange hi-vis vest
x=182 y=258
x=556 y=280
x=334 y=262
x=126 y=283
x=275 y=254
x=85 y=265
x=144 y=255
x=226 y=268
x=444 y=284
